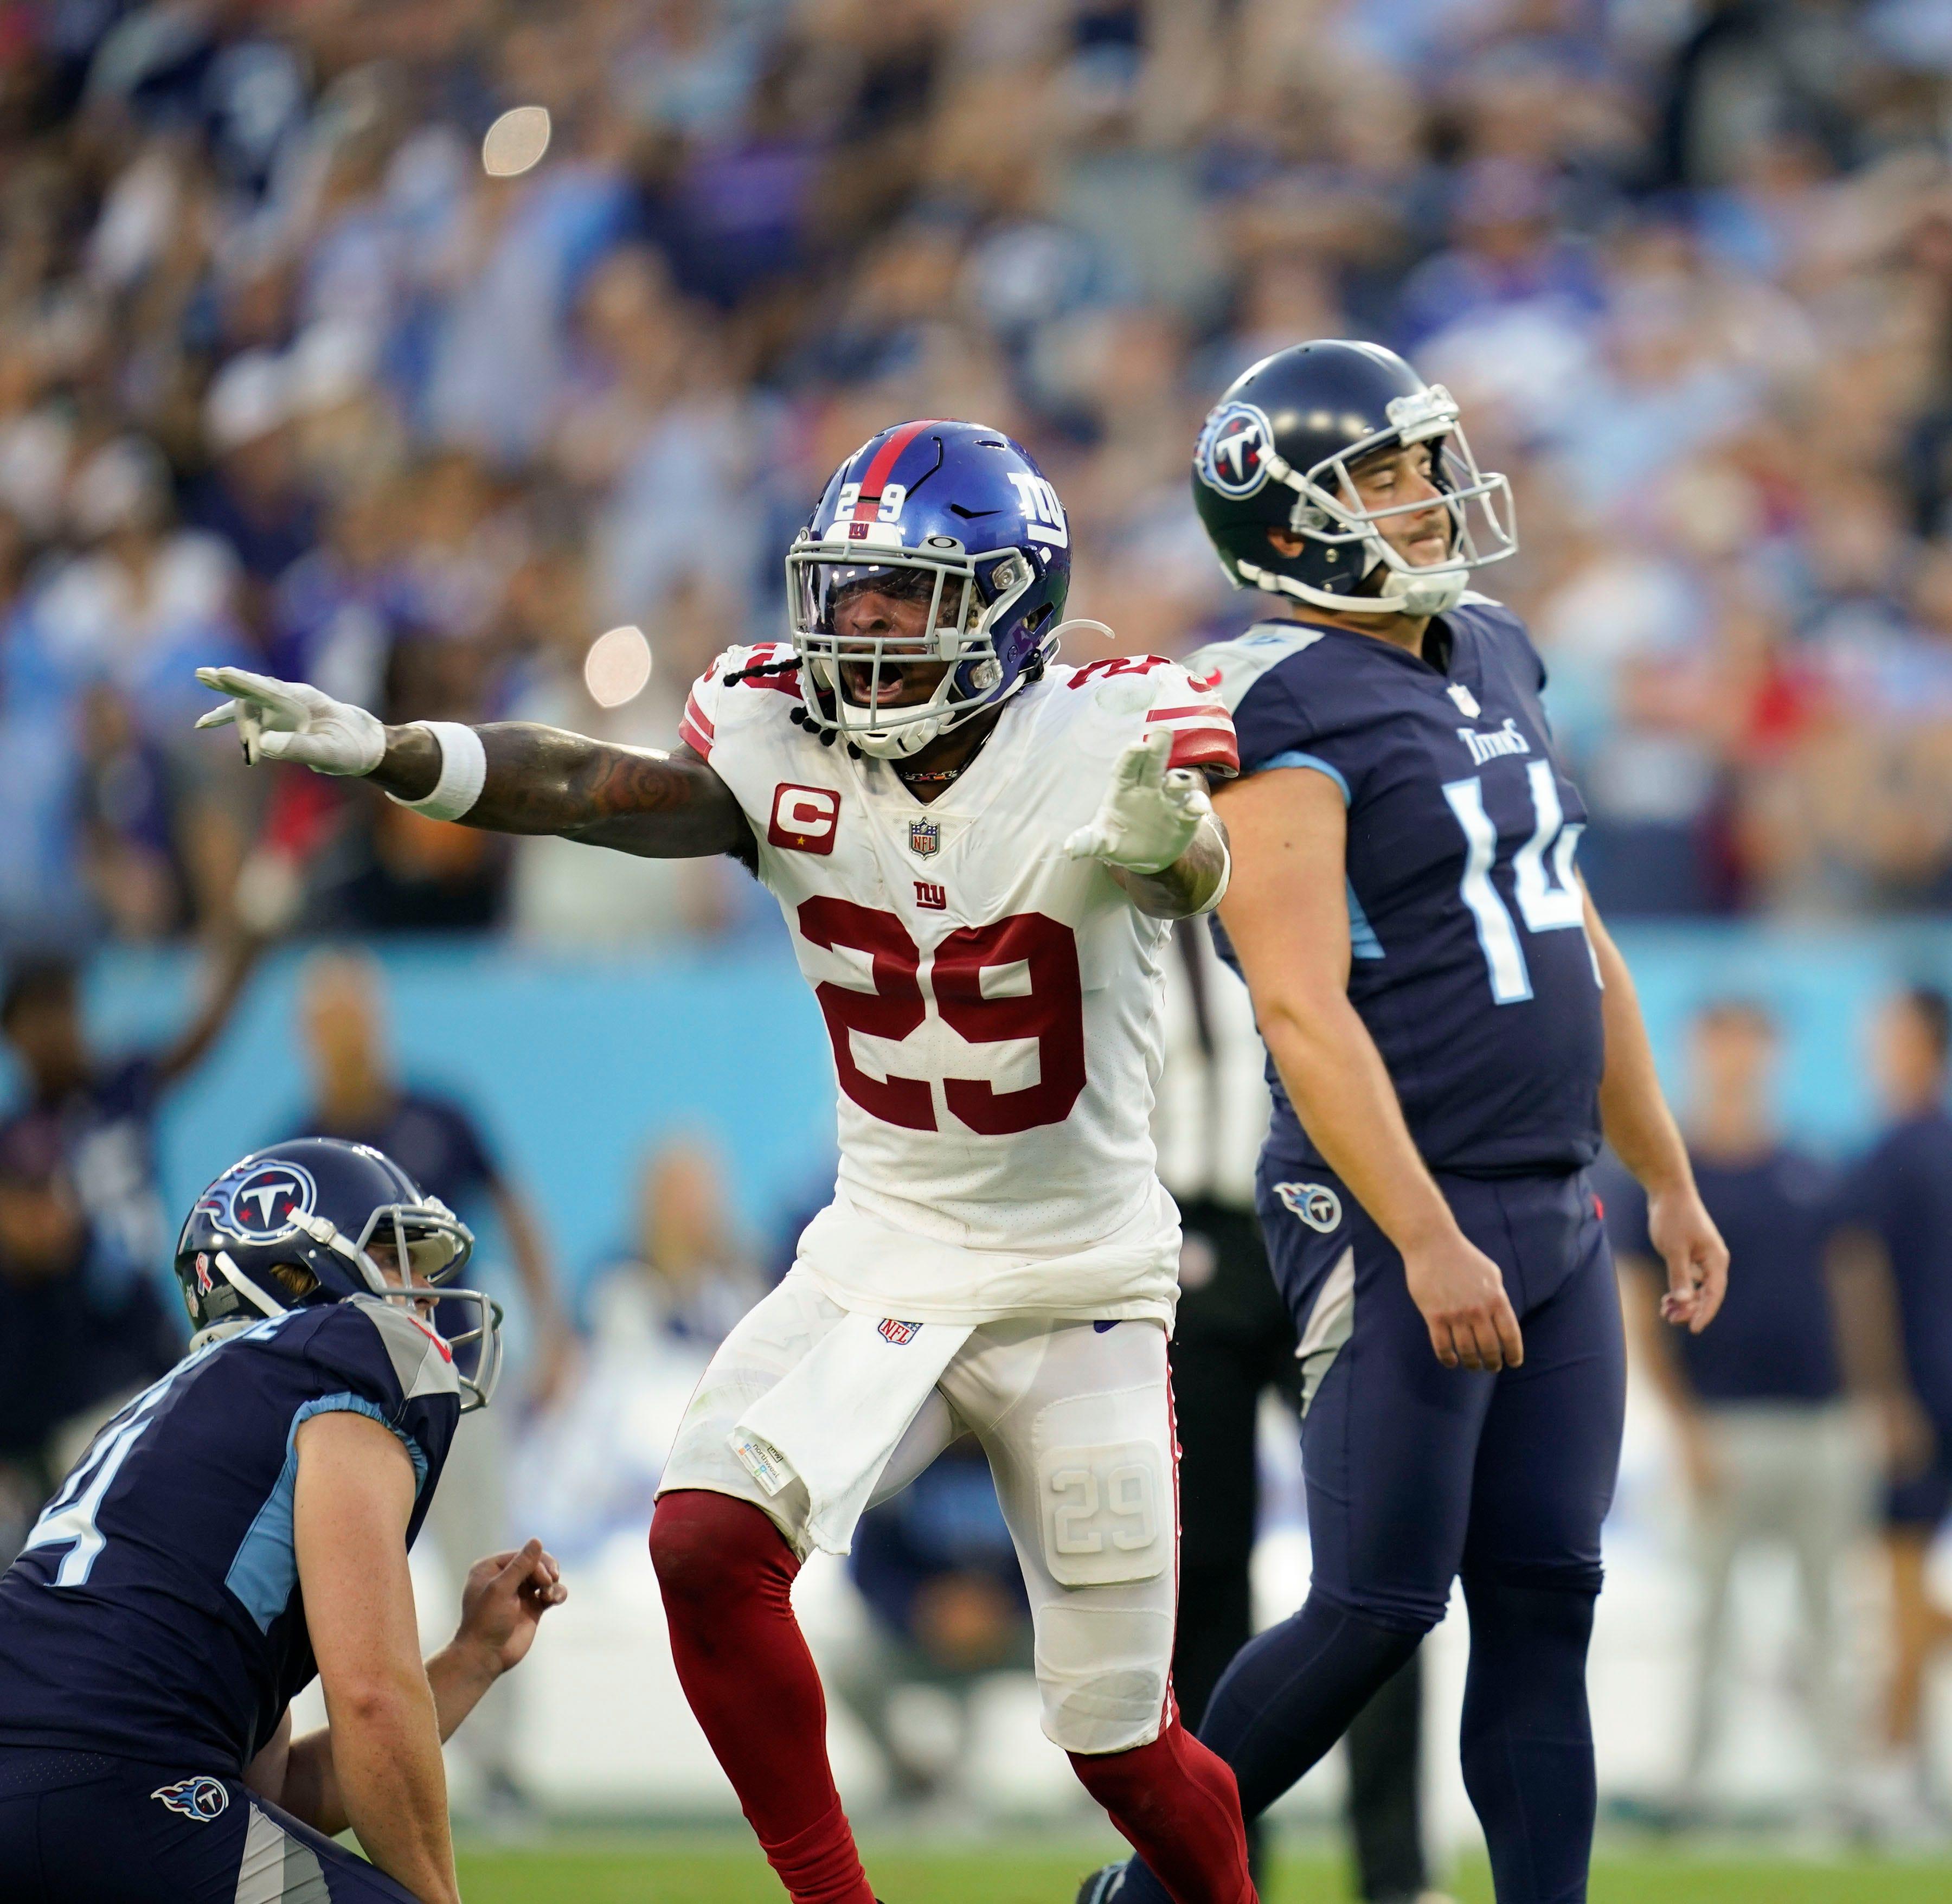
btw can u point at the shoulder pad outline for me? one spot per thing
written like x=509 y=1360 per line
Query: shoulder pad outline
x=422 y=1363
x=1243 y=661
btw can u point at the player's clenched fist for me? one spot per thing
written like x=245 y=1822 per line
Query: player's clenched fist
x=289 y=720
x=1149 y=814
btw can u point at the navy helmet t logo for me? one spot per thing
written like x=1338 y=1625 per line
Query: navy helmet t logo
x=268 y=1201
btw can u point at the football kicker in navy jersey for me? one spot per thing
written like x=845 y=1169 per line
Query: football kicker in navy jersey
x=1437 y=1057
x=1471 y=966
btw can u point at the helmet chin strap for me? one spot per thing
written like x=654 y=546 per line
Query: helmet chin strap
x=260 y=1300
x=899 y=743
x=903 y=743
x=1435 y=594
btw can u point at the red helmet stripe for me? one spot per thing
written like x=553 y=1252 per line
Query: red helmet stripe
x=884 y=461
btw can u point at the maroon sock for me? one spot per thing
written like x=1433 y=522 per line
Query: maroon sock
x=727 y=1575
x=1177 y=1805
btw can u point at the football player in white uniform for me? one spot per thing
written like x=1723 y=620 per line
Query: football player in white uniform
x=978 y=853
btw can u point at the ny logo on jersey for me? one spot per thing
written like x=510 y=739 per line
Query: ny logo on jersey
x=929 y=897
x=1044 y=514
x=899 y=1333
x=200 y=1798
x=805 y=820
x=268 y=1201
x=1467 y=702
x=924 y=839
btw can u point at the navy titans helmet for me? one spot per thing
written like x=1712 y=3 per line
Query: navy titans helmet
x=1276 y=452
x=955 y=514
x=295 y=1226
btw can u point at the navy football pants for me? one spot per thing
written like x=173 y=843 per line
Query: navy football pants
x=77 y=1828
x=1418 y=1474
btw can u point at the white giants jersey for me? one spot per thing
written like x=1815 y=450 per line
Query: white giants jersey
x=994 y=1006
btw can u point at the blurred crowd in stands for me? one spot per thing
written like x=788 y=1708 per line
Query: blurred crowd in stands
x=300 y=367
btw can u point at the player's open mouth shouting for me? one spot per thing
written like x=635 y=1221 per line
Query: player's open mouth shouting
x=887 y=612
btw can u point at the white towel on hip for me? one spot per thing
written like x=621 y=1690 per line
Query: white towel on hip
x=834 y=1419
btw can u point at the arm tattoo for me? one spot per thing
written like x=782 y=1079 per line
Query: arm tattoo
x=543 y=780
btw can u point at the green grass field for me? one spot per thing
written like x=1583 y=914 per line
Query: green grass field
x=651 y=1875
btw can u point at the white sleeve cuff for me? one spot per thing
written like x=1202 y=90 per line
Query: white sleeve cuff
x=464 y=769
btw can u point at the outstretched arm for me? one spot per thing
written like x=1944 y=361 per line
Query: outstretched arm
x=546 y=780
x=1194 y=882
x=533 y=779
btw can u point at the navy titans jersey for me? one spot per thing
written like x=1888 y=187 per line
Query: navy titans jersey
x=155 y=1613
x=1471 y=967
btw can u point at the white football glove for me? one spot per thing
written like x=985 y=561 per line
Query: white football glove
x=1149 y=814
x=289 y=720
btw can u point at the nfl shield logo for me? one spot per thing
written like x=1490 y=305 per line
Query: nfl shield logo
x=924 y=838
x=900 y=1333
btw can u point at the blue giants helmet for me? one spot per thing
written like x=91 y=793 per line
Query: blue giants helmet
x=296 y=1224
x=1276 y=453
x=952 y=514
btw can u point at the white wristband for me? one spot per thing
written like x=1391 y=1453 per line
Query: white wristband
x=463 y=769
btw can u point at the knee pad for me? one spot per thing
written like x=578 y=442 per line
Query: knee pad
x=1412 y=1613
x=1100 y=1464
x=1102 y=1671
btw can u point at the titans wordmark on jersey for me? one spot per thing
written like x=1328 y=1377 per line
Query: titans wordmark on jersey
x=155 y=1613
x=1471 y=968
x=994 y=1005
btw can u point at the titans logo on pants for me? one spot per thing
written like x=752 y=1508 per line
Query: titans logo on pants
x=200 y=1798
x=1315 y=1203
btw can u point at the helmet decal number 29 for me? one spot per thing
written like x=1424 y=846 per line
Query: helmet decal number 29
x=888 y=507
x=1047 y=1007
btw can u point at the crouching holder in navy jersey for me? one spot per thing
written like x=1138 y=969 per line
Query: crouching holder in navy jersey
x=152 y=1631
